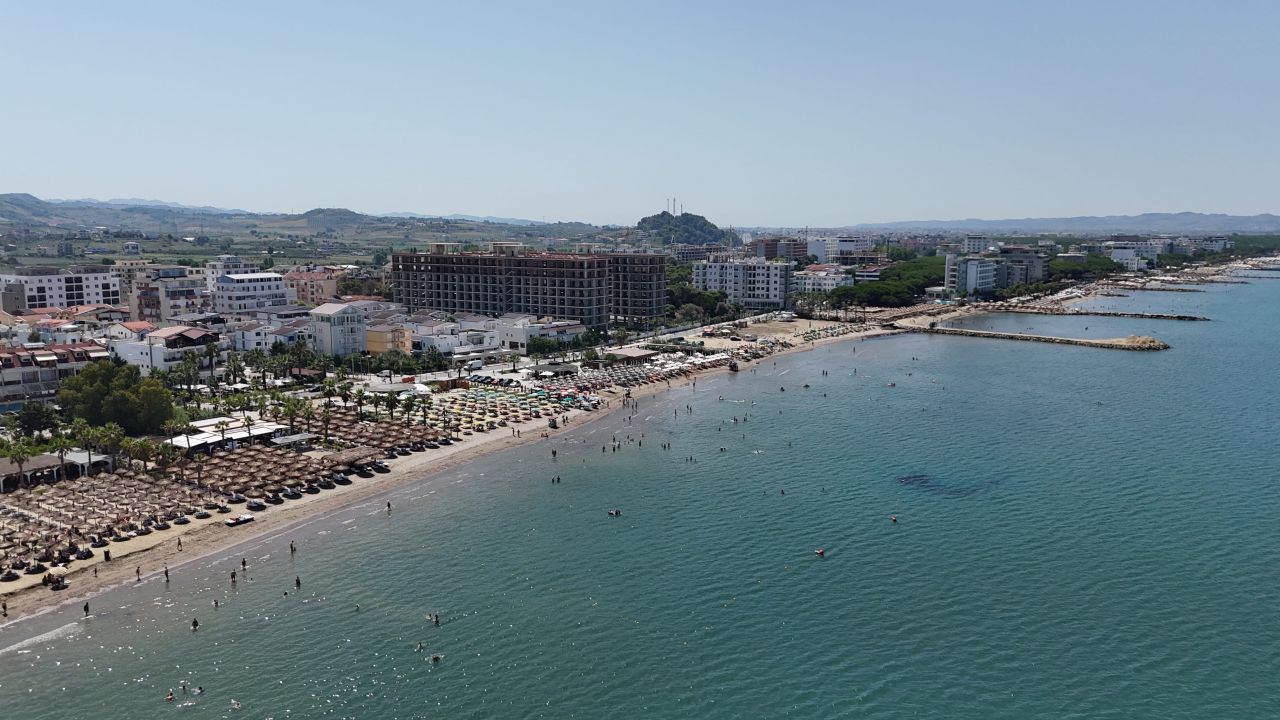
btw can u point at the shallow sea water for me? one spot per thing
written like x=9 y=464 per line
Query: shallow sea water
x=1082 y=534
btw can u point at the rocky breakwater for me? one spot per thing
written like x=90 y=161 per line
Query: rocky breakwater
x=1133 y=342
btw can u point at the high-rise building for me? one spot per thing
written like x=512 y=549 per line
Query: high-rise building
x=754 y=283
x=588 y=288
x=637 y=288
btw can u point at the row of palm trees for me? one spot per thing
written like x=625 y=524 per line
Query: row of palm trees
x=107 y=440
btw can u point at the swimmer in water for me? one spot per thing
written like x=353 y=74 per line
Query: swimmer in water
x=169 y=697
x=419 y=648
x=235 y=704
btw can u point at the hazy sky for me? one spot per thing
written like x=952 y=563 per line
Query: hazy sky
x=752 y=113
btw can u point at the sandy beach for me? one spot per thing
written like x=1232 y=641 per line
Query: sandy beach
x=150 y=555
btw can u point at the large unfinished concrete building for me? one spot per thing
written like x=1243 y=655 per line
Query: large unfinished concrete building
x=637 y=288
x=589 y=288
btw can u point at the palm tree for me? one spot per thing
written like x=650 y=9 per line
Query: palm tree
x=291 y=410
x=221 y=427
x=235 y=367
x=141 y=449
x=174 y=427
x=391 y=400
x=248 y=427
x=19 y=453
x=329 y=388
x=410 y=403
x=109 y=439
x=359 y=397
x=61 y=444
x=325 y=418
x=166 y=455
x=308 y=414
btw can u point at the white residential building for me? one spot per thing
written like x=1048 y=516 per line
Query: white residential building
x=63 y=288
x=226 y=265
x=976 y=244
x=970 y=275
x=754 y=283
x=164 y=348
x=338 y=329
x=242 y=294
x=817 y=281
x=514 y=331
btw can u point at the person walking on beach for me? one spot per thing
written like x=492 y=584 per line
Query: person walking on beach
x=166 y=573
x=138 y=572
x=179 y=544
x=86 y=609
x=388 y=507
x=244 y=564
x=233 y=577
x=292 y=548
x=297 y=582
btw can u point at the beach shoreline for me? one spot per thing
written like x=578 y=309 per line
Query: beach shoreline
x=159 y=551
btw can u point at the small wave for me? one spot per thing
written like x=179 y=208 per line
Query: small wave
x=68 y=630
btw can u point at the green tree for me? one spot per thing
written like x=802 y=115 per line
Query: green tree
x=433 y=360
x=19 y=453
x=109 y=392
x=36 y=417
x=60 y=445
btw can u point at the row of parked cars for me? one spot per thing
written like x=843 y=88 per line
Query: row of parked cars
x=497 y=382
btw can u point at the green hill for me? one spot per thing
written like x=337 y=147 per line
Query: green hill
x=685 y=228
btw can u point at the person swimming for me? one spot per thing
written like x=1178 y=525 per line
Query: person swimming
x=419 y=648
x=169 y=697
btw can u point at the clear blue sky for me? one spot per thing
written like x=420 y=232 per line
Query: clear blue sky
x=752 y=113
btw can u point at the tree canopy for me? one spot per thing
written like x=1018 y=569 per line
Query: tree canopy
x=685 y=228
x=112 y=392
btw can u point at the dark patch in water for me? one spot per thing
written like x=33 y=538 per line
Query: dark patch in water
x=952 y=489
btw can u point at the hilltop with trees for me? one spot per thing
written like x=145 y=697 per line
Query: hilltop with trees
x=686 y=228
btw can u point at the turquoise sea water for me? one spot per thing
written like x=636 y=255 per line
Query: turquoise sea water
x=1082 y=534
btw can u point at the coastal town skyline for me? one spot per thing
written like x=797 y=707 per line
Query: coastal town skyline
x=668 y=360
x=824 y=115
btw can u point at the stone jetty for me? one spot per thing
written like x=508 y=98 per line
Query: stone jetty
x=1132 y=342
x=1055 y=310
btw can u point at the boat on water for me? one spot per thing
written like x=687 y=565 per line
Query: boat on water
x=235 y=520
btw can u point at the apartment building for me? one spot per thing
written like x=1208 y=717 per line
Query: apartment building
x=163 y=292
x=507 y=280
x=970 y=275
x=35 y=371
x=312 y=286
x=226 y=265
x=338 y=329
x=37 y=287
x=816 y=281
x=637 y=288
x=779 y=247
x=753 y=283
x=164 y=348
x=242 y=294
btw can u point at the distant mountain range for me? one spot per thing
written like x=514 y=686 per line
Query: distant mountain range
x=472 y=218
x=1146 y=223
x=139 y=202
x=139 y=213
